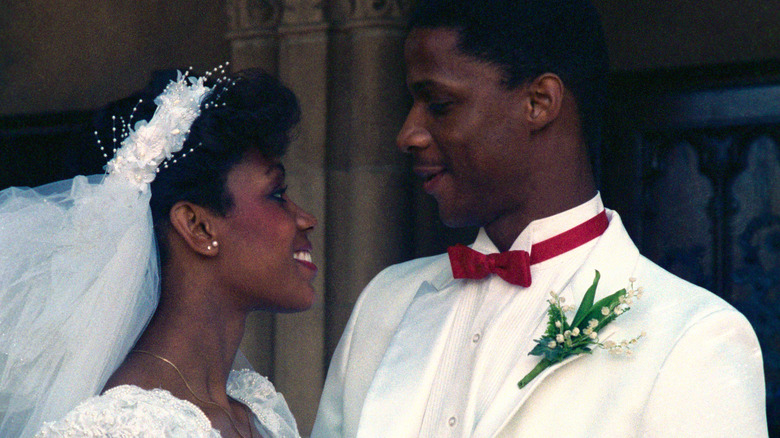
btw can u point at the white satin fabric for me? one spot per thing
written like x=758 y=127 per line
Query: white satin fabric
x=78 y=284
x=698 y=372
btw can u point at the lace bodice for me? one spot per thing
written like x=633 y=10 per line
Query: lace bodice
x=129 y=411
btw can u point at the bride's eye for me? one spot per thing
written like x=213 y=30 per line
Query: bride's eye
x=278 y=195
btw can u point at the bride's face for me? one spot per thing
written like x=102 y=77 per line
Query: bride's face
x=264 y=250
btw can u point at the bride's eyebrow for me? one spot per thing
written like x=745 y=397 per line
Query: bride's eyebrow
x=277 y=174
x=277 y=167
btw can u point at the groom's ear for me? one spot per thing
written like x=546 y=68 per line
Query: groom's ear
x=544 y=100
x=196 y=226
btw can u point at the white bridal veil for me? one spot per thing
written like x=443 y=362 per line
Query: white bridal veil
x=78 y=283
x=78 y=271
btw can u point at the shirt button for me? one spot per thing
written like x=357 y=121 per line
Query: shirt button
x=452 y=421
x=476 y=338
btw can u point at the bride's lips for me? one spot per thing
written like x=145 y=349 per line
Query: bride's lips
x=432 y=175
x=304 y=258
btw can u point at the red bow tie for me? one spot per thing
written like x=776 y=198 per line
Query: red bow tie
x=512 y=266
x=515 y=266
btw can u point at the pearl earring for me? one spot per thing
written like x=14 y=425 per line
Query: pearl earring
x=213 y=245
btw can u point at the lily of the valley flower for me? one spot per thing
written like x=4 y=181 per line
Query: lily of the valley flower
x=563 y=339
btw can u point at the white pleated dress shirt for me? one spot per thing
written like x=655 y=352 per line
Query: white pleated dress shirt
x=493 y=319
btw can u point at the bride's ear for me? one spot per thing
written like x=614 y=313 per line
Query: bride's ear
x=196 y=226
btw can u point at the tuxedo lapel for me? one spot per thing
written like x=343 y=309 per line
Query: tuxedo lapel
x=396 y=400
x=615 y=256
x=509 y=397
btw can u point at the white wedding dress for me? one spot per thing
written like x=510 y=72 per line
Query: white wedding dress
x=129 y=411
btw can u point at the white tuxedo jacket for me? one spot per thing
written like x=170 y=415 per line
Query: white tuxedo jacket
x=698 y=372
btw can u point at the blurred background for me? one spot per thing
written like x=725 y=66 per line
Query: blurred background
x=691 y=157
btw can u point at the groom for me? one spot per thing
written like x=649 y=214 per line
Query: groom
x=508 y=96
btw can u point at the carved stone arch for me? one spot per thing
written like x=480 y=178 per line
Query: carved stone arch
x=380 y=8
x=253 y=15
x=299 y=12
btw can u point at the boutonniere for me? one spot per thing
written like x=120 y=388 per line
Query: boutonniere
x=563 y=339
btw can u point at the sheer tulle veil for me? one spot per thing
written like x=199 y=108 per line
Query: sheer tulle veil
x=79 y=275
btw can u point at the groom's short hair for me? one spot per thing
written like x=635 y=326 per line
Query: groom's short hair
x=526 y=38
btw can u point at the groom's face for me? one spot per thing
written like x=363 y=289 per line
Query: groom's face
x=465 y=130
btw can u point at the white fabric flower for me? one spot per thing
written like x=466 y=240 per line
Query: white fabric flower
x=149 y=144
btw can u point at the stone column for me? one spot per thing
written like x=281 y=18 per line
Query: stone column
x=254 y=41
x=253 y=36
x=299 y=353
x=368 y=203
x=289 y=39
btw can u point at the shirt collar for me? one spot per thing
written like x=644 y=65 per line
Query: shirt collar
x=542 y=229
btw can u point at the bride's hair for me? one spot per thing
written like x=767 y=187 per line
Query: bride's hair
x=251 y=110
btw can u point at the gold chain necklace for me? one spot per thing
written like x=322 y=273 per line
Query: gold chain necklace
x=189 y=388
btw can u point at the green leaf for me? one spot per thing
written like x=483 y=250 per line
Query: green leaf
x=608 y=302
x=555 y=354
x=539 y=349
x=587 y=302
x=605 y=321
x=581 y=350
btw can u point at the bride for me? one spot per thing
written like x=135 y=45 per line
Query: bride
x=198 y=190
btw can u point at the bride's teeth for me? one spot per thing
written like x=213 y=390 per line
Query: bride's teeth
x=302 y=255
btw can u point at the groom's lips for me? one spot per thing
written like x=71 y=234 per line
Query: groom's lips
x=431 y=174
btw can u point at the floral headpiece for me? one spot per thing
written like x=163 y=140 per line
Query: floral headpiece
x=150 y=143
